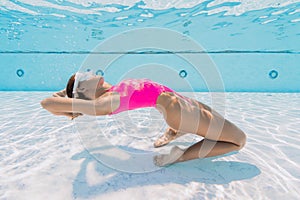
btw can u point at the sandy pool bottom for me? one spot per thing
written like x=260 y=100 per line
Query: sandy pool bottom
x=49 y=157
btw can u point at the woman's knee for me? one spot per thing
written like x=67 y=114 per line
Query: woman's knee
x=241 y=140
x=233 y=134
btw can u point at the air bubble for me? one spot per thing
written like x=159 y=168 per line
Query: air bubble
x=273 y=74
x=100 y=72
x=183 y=73
x=20 y=72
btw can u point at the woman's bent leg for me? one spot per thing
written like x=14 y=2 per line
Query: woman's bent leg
x=207 y=148
x=221 y=136
x=180 y=115
x=203 y=149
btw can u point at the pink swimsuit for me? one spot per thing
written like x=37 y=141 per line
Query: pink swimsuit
x=137 y=93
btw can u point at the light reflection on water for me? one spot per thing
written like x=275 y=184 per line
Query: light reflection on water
x=36 y=144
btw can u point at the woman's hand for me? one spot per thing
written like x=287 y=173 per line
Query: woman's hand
x=61 y=93
x=74 y=115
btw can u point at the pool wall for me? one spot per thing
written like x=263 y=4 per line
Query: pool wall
x=258 y=51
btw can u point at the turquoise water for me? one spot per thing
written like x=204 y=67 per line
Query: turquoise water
x=248 y=51
x=254 y=45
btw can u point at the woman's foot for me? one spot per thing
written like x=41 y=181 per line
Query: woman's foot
x=167 y=159
x=166 y=138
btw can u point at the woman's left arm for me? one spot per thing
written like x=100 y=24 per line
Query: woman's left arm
x=100 y=106
x=68 y=106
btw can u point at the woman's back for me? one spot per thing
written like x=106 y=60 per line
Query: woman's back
x=137 y=93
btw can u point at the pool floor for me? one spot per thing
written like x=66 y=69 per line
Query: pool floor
x=46 y=156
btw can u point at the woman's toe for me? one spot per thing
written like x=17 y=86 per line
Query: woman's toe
x=163 y=140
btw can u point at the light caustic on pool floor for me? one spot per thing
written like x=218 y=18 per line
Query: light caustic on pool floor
x=34 y=145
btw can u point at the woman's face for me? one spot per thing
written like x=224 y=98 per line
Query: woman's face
x=88 y=89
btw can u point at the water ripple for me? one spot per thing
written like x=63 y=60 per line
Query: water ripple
x=35 y=146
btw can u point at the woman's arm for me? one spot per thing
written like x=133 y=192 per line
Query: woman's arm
x=101 y=106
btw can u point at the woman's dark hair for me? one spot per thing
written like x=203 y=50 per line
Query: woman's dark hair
x=70 y=86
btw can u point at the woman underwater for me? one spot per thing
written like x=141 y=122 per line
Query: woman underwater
x=91 y=95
